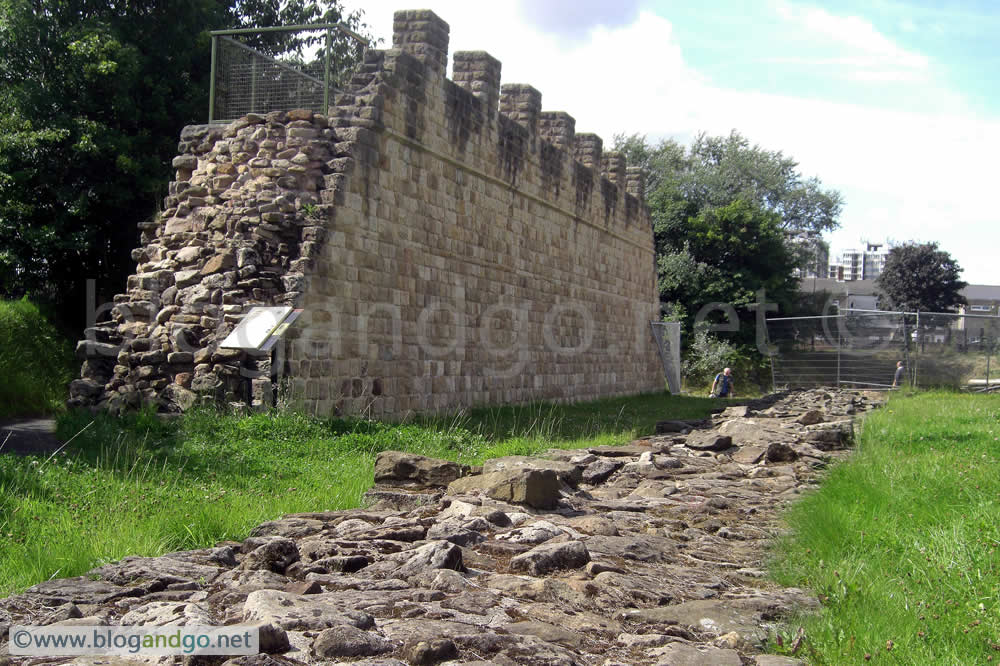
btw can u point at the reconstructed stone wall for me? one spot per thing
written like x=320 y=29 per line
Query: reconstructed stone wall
x=451 y=244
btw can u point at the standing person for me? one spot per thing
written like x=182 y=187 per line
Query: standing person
x=897 y=379
x=722 y=387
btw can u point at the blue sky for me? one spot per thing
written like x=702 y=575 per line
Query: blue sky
x=895 y=104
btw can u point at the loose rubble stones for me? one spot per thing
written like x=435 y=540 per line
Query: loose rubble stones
x=651 y=553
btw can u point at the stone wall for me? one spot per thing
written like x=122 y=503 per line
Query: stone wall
x=451 y=245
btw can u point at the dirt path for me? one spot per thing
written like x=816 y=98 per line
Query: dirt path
x=29 y=437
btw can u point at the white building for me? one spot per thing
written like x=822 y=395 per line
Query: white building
x=858 y=264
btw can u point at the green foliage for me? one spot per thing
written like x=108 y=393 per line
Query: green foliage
x=92 y=98
x=706 y=355
x=810 y=303
x=920 y=277
x=663 y=163
x=717 y=171
x=727 y=255
x=729 y=218
x=137 y=485
x=293 y=47
x=901 y=542
x=739 y=250
x=35 y=361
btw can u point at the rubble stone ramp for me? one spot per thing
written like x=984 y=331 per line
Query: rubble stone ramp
x=650 y=553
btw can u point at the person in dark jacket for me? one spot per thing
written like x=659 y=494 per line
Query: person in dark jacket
x=722 y=387
x=897 y=379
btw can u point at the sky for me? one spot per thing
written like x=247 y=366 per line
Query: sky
x=894 y=104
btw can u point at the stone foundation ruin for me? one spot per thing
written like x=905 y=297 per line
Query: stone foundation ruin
x=450 y=243
x=653 y=553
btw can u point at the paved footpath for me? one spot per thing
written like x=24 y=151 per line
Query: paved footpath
x=652 y=553
x=29 y=436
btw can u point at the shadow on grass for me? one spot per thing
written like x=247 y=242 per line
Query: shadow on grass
x=569 y=422
x=209 y=444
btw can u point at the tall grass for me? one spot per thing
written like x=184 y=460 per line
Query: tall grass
x=901 y=542
x=35 y=362
x=141 y=486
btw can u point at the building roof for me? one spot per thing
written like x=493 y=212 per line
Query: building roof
x=982 y=292
x=973 y=292
x=856 y=287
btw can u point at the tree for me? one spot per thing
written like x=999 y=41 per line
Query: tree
x=717 y=171
x=726 y=255
x=93 y=95
x=918 y=277
x=729 y=218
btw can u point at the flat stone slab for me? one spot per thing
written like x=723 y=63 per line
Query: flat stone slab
x=300 y=612
x=566 y=471
x=749 y=455
x=81 y=590
x=716 y=616
x=620 y=451
x=678 y=654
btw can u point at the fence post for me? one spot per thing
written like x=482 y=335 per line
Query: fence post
x=906 y=346
x=839 y=346
x=326 y=72
x=774 y=381
x=253 y=86
x=211 y=81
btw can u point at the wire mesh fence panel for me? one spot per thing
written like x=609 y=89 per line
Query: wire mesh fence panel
x=952 y=350
x=860 y=349
x=668 y=342
x=839 y=350
x=246 y=80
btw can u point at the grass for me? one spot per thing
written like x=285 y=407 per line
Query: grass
x=36 y=364
x=902 y=542
x=141 y=486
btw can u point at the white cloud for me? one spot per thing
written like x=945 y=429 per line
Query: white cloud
x=614 y=80
x=854 y=34
x=924 y=174
x=576 y=18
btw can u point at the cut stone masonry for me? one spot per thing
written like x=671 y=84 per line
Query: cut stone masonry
x=451 y=244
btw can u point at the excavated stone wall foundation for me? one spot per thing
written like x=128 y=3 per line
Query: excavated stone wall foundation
x=652 y=553
x=451 y=244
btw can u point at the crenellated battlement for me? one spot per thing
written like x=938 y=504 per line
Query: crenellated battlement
x=543 y=153
x=449 y=241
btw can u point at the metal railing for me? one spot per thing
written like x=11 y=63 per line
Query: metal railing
x=245 y=80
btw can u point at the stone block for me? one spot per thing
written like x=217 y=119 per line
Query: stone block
x=408 y=469
x=536 y=488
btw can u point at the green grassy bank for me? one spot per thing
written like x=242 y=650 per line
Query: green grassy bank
x=902 y=542
x=140 y=486
x=36 y=364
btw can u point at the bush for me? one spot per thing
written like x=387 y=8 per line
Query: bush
x=35 y=361
x=707 y=355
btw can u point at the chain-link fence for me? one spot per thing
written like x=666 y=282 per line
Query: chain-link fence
x=860 y=349
x=307 y=74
